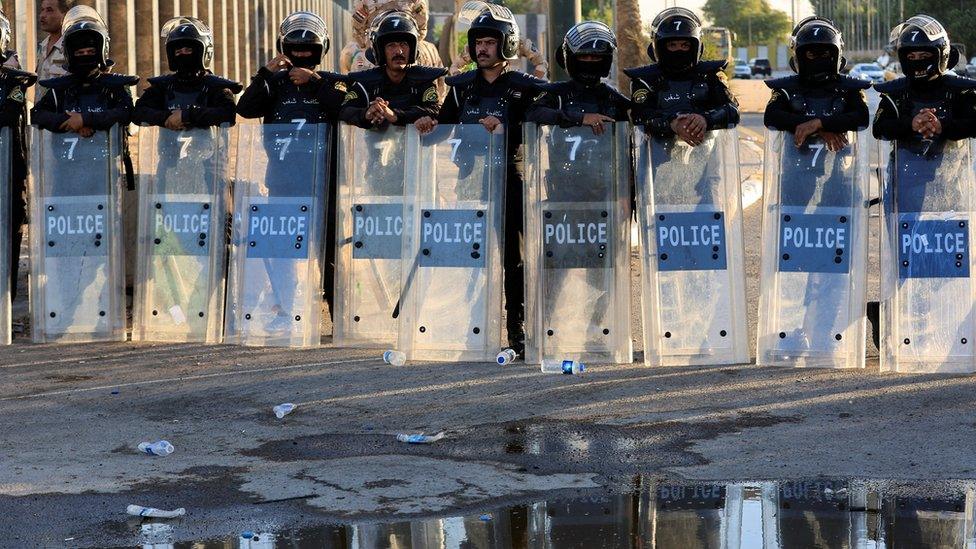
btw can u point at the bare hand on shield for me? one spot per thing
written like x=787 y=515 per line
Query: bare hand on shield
x=280 y=62
x=690 y=128
x=834 y=141
x=805 y=130
x=175 y=121
x=927 y=123
x=379 y=111
x=425 y=125
x=596 y=121
x=490 y=123
x=74 y=123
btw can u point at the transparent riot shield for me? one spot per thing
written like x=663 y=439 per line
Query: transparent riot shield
x=577 y=244
x=6 y=142
x=77 y=278
x=275 y=283
x=450 y=306
x=815 y=235
x=690 y=216
x=182 y=235
x=927 y=286
x=369 y=231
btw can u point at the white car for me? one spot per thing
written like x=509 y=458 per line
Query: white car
x=870 y=72
x=971 y=68
x=742 y=69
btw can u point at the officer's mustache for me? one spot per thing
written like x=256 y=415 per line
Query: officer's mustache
x=399 y=58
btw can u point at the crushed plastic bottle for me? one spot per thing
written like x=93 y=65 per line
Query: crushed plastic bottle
x=283 y=410
x=395 y=358
x=161 y=448
x=507 y=356
x=140 y=511
x=568 y=367
x=419 y=438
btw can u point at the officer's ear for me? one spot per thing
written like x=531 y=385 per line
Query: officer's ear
x=953 y=57
x=650 y=53
x=561 y=55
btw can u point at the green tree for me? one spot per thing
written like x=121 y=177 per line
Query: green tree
x=752 y=21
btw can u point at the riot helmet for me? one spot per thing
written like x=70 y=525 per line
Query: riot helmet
x=188 y=32
x=923 y=33
x=83 y=34
x=395 y=26
x=303 y=31
x=821 y=36
x=587 y=38
x=676 y=24
x=490 y=20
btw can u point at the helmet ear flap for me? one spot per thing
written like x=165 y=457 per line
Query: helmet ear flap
x=953 y=57
x=278 y=45
x=561 y=55
x=650 y=52
x=793 y=65
x=842 y=64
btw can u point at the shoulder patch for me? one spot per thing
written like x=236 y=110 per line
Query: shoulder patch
x=16 y=95
x=350 y=96
x=430 y=96
x=341 y=86
x=540 y=96
x=722 y=77
x=640 y=95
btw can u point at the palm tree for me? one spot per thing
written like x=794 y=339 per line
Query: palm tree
x=630 y=39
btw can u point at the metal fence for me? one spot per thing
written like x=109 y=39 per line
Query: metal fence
x=244 y=30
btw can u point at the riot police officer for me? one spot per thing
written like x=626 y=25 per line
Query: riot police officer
x=13 y=115
x=289 y=89
x=681 y=95
x=89 y=98
x=493 y=96
x=926 y=103
x=192 y=96
x=817 y=100
x=397 y=91
x=922 y=110
x=585 y=100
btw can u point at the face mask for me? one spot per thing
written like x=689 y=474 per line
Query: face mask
x=818 y=70
x=185 y=64
x=676 y=61
x=83 y=65
x=309 y=62
x=919 y=70
x=589 y=72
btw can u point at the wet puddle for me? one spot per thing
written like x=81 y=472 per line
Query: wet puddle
x=802 y=514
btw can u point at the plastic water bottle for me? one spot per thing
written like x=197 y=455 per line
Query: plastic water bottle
x=419 y=438
x=568 y=367
x=161 y=448
x=395 y=358
x=507 y=356
x=283 y=410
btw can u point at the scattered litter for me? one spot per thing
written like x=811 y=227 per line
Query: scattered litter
x=247 y=534
x=368 y=427
x=140 y=511
x=161 y=448
x=283 y=410
x=506 y=356
x=395 y=358
x=420 y=438
x=69 y=539
x=115 y=392
x=485 y=517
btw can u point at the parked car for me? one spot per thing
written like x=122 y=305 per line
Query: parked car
x=759 y=65
x=742 y=70
x=971 y=68
x=870 y=72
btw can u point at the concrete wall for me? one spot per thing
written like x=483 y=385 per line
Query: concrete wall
x=244 y=30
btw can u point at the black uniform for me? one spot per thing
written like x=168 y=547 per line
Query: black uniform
x=470 y=99
x=952 y=97
x=205 y=100
x=840 y=105
x=412 y=99
x=563 y=104
x=659 y=97
x=13 y=115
